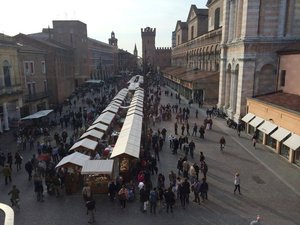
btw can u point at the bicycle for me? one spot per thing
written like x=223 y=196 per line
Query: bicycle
x=15 y=203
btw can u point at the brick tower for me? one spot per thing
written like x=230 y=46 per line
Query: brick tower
x=148 y=48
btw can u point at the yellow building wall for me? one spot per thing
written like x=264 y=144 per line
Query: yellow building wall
x=279 y=116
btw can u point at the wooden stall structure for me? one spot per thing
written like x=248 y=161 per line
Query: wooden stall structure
x=72 y=165
x=97 y=174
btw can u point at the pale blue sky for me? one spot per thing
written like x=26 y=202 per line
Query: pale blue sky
x=124 y=17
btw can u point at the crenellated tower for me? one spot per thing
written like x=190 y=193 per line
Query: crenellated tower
x=148 y=48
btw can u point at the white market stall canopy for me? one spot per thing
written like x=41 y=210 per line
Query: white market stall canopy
x=133 y=86
x=98 y=167
x=98 y=126
x=86 y=144
x=136 y=107
x=75 y=158
x=92 y=133
x=280 y=134
x=111 y=108
x=105 y=118
x=139 y=113
x=267 y=127
x=248 y=117
x=293 y=142
x=38 y=114
x=126 y=145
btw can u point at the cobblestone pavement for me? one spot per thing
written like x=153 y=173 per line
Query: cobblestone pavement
x=270 y=187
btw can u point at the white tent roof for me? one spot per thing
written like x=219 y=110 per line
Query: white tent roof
x=76 y=158
x=105 y=118
x=132 y=104
x=111 y=108
x=93 y=133
x=280 y=134
x=98 y=126
x=267 y=127
x=248 y=117
x=97 y=167
x=139 y=113
x=125 y=146
x=256 y=121
x=85 y=143
x=38 y=114
x=293 y=142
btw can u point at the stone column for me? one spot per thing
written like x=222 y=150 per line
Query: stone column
x=291 y=156
x=232 y=81
x=231 y=20
x=282 y=18
x=277 y=147
x=227 y=88
x=222 y=80
x=5 y=116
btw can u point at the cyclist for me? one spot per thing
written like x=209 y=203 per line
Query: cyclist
x=14 y=196
x=222 y=143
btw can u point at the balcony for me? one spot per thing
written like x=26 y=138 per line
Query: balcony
x=36 y=96
x=9 y=91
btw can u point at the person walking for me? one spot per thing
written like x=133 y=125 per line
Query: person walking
x=153 y=200
x=192 y=148
x=38 y=188
x=196 y=189
x=222 y=143
x=29 y=168
x=237 y=182
x=182 y=129
x=15 y=196
x=90 y=206
x=175 y=128
x=143 y=199
x=203 y=189
x=169 y=199
x=187 y=128
x=195 y=129
x=254 y=140
x=202 y=131
x=123 y=195
x=6 y=171
x=86 y=192
x=18 y=160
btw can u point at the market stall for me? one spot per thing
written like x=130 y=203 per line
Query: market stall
x=97 y=174
x=127 y=147
x=98 y=126
x=92 y=135
x=105 y=118
x=72 y=165
x=85 y=146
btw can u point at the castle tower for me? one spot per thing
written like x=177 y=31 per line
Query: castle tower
x=135 y=52
x=148 y=48
x=113 y=40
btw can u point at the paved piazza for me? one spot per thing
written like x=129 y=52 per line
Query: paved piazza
x=270 y=186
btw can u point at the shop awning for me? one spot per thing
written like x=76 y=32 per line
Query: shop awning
x=75 y=158
x=98 y=167
x=105 y=118
x=280 y=134
x=98 y=126
x=256 y=121
x=38 y=114
x=248 y=117
x=86 y=144
x=93 y=133
x=293 y=142
x=267 y=127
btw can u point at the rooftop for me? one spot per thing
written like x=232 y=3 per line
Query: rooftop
x=285 y=100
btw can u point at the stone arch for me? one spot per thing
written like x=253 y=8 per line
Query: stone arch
x=7 y=73
x=265 y=80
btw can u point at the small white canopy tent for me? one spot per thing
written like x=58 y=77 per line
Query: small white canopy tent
x=75 y=158
x=38 y=114
x=98 y=167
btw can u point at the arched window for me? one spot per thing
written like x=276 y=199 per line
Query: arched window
x=6 y=72
x=217 y=18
